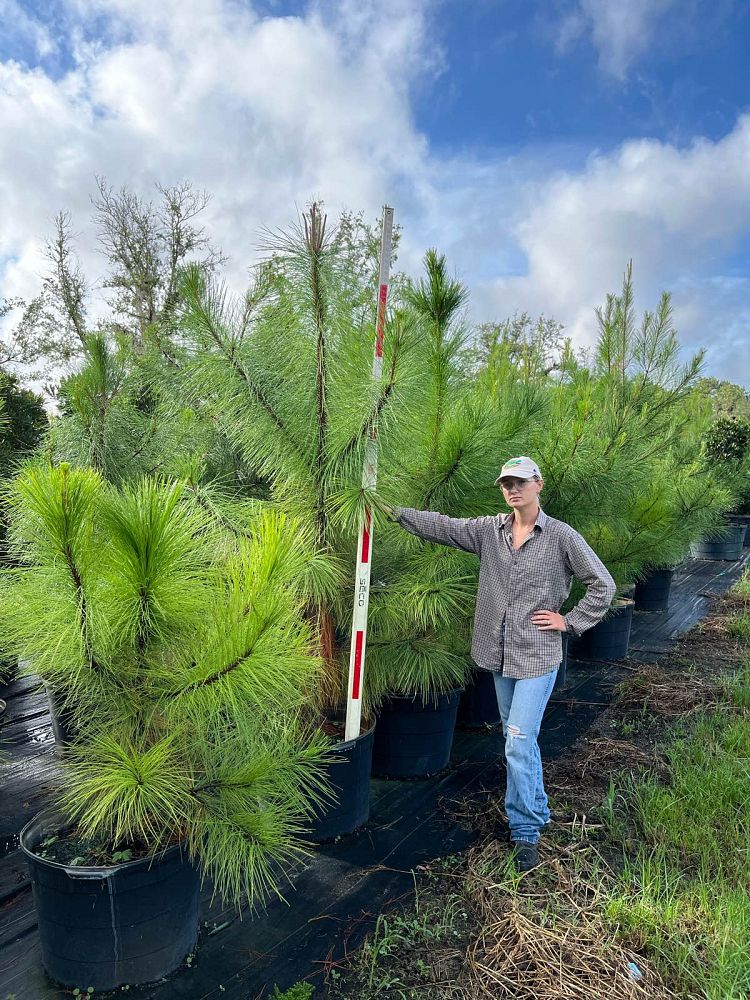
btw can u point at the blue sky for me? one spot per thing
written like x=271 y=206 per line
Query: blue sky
x=510 y=82
x=540 y=145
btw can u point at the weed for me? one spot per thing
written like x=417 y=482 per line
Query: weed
x=742 y=587
x=629 y=727
x=300 y=991
x=737 y=688
x=738 y=626
x=407 y=952
x=612 y=821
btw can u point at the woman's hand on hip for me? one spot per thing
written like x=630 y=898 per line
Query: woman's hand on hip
x=549 y=621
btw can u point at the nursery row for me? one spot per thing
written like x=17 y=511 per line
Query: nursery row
x=180 y=556
x=101 y=905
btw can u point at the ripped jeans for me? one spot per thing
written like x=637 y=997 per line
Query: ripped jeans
x=522 y=704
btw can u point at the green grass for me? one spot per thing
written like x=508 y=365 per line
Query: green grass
x=742 y=587
x=682 y=897
x=737 y=688
x=738 y=626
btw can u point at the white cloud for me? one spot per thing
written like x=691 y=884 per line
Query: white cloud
x=267 y=112
x=715 y=313
x=679 y=213
x=620 y=31
x=264 y=113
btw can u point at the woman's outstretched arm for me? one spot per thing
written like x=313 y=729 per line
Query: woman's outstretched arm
x=460 y=532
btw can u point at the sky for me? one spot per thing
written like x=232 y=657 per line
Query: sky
x=539 y=145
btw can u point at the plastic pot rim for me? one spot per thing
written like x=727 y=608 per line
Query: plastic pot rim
x=90 y=871
x=414 y=697
x=347 y=744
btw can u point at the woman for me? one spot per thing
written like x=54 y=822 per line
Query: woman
x=527 y=562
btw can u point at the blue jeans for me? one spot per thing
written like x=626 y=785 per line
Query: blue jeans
x=522 y=704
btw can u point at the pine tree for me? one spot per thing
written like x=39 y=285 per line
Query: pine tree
x=183 y=655
x=607 y=455
x=288 y=372
x=124 y=415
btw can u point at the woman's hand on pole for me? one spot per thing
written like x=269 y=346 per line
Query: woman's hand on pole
x=549 y=621
x=381 y=506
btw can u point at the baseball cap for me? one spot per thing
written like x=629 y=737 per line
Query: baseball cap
x=521 y=467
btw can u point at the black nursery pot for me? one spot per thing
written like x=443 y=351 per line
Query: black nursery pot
x=729 y=546
x=609 y=639
x=652 y=593
x=478 y=704
x=413 y=739
x=745 y=520
x=349 y=774
x=63 y=727
x=108 y=927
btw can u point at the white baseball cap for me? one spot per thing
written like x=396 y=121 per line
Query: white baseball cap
x=521 y=467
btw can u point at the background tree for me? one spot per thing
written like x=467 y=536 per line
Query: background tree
x=143 y=243
x=726 y=457
x=521 y=342
x=52 y=326
x=24 y=422
x=726 y=399
x=727 y=440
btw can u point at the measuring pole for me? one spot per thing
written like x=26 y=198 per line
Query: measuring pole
x=369 y=479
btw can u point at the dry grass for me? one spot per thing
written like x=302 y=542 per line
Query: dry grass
x=543 y=937
x=659 y=691
x=481 y=811
x=610 y=756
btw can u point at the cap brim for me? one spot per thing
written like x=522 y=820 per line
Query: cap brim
x=513 y=475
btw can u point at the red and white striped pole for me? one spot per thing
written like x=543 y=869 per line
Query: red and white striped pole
x=369 y=480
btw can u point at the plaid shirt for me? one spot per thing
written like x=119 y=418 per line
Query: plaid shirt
x=513 y=584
